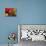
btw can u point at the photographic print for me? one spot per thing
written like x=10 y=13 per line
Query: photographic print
x=10 y=11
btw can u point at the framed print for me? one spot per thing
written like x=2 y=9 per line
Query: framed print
x=10 y=11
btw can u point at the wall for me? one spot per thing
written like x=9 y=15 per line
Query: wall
x=28 y=12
